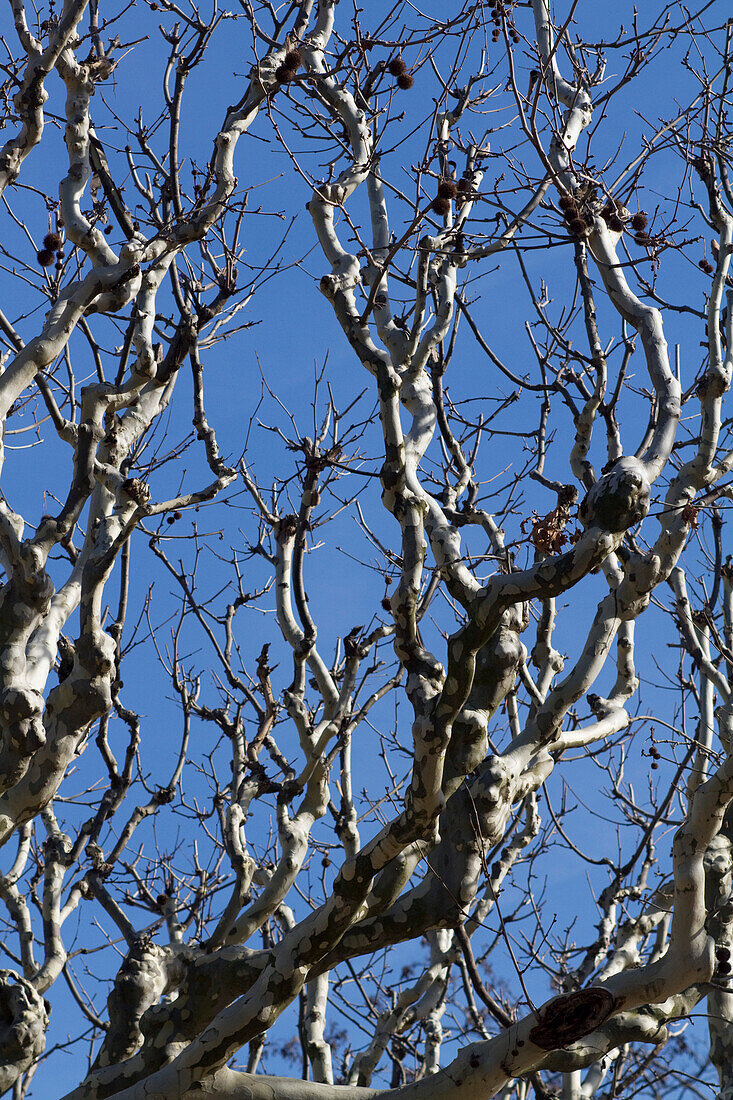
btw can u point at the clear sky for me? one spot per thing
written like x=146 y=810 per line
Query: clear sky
x=265 y=373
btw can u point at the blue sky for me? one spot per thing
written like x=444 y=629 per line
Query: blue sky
x=293 y=335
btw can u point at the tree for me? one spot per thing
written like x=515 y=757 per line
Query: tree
x=363 y=821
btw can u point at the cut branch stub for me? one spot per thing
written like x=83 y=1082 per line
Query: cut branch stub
x=572 y=1016
x=23 y=1023
x=619 y=499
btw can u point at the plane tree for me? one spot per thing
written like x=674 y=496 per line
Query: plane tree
x=306 y=759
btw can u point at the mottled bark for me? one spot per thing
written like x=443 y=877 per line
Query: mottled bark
x=457 y=686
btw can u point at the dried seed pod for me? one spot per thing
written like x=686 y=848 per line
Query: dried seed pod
x=639 y=221
x=641 y=238
x=396 y=66
x=441 y=206
x=567 y=202
x=578 y=226
x=284 y=75
x=447 y=189
x=404 y=81
x=52 y=241
x=463 y=184
x=45 y=257
x=107 y=230
x=293 y=60
x=615 y=223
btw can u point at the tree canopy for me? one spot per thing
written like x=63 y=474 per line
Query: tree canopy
x=366 y=615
